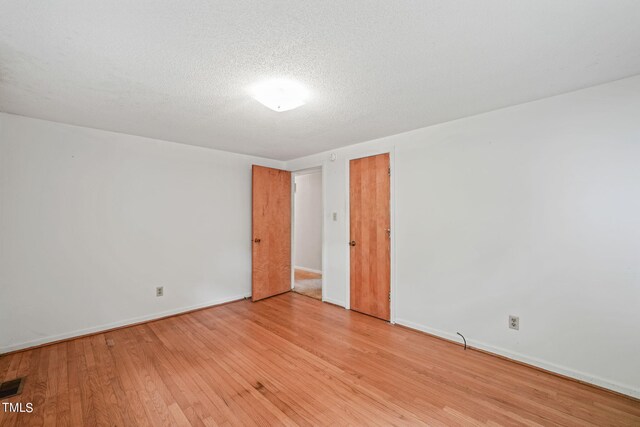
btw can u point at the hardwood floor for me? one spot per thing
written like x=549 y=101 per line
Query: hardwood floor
x=305 y=275
x=291 y=360
x=307 y=283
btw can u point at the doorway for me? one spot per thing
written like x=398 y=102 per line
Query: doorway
x=307 y=233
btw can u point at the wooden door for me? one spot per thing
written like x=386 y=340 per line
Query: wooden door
x=370 y=240
x=271 y=229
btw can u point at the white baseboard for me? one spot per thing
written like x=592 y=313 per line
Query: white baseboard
x=334 y=302
x=96 y=329
x=558 y=369
x=310 y=270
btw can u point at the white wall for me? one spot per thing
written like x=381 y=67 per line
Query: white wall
x=308 y=221
x=92 y=221
x=532 y=210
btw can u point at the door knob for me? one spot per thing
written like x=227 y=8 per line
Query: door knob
x=352 y=243
x=256 y=240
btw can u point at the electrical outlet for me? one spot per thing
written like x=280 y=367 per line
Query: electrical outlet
x=160 y=291
x=514 y=322
x=335 y=216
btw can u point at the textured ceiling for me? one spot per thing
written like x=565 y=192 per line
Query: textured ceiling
x=178 y=70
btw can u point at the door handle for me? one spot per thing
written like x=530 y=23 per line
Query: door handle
x=256 y=240
x=352 y=243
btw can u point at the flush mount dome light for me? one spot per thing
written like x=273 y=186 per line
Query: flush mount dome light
x=280 y=94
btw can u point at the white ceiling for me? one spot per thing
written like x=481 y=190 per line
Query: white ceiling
x=178 y=70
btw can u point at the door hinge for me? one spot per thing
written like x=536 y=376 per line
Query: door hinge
x=389 y=295
x=389 y=171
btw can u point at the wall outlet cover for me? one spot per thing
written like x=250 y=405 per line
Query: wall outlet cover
x=514 y=322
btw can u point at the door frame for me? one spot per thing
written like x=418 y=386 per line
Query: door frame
x=392 y=208
x=323 y=227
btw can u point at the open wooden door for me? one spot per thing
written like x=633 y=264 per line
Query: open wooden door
x=271 y=228
x=370 y=228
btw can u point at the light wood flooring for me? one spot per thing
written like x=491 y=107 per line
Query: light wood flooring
x=307 y=283
x=291 y=360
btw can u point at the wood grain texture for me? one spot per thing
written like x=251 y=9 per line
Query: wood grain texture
x=291 y=360
x=307 y=283
x=305 y=275
x=271 y=224
x=369 y=219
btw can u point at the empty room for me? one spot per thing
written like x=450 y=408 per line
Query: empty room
x=320 y=213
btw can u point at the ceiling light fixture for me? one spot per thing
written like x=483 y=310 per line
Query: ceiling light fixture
x=280 y=94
